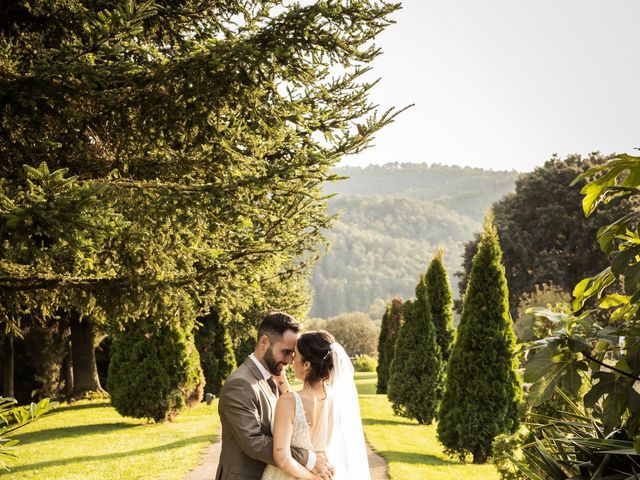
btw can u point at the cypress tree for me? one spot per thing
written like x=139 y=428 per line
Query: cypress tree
x=417 y=370
x=391 y=323
x=216 y=351
x=441 y=299
x=154 y=371
x=483 y=390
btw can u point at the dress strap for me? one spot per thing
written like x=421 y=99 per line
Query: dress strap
x=296 y=395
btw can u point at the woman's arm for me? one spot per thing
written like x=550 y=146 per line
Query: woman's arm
x=282 y=432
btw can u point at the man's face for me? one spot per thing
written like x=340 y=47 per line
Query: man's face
x=281 y=351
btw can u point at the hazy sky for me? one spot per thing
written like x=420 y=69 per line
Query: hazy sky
x=504 y=84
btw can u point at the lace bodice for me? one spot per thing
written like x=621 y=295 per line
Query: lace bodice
x=300 y=437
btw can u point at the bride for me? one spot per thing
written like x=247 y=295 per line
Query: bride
x=323 y=417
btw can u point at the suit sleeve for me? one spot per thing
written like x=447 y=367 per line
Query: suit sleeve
x=237 y=404
x=301 y=456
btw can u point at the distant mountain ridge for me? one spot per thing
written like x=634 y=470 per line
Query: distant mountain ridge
x=392 y=219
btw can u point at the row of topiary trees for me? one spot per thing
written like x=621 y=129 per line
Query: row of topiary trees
x=471 y=386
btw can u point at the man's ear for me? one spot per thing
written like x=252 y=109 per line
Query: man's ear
x=264 y=340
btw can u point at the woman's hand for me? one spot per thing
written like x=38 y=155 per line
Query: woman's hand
x=282 y=382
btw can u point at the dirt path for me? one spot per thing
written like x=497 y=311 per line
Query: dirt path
x=207 y=469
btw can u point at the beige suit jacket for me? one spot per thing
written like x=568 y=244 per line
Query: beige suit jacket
x=246 y=408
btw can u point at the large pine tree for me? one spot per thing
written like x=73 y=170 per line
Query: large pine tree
x=483 y=390
x=441 y=300
x=187 y=145
x=417 y=370
x=391 y=323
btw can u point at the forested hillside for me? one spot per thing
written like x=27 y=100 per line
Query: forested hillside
x=392 y=220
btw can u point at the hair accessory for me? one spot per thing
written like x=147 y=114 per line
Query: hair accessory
x=328 y=353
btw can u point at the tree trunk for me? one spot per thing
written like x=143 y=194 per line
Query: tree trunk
x=83 y=356
x=8 y=367
x=480 y=456
x=67 y=370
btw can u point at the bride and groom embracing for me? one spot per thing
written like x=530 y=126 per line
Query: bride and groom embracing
x=272 y=433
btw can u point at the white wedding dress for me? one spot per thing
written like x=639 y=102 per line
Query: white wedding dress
x=339 y=431
x=300 y=437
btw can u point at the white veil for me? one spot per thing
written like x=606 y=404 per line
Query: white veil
x=343 y=435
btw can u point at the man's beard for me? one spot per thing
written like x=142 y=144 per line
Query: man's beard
x=275 y=368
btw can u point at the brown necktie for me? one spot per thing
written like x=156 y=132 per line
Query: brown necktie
x=274 y=387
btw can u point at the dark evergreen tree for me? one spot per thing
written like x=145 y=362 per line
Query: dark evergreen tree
x=391 y=323
x=544 y=236
x=188 y=144
x=441 y=300
x=154 y=371
x=417 y=371
x=483 y=391
x=216 y=350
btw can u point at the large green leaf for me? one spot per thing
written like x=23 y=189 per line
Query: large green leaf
x=616 y=394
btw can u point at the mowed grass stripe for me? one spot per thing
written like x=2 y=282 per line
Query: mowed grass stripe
x=90 y=440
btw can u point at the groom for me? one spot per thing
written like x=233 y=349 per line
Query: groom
x=248 y=401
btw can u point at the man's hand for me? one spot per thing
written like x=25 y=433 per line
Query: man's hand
x=322 y=467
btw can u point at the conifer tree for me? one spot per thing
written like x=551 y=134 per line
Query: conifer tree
x=483 y=390
x=441 y=299
x=186 y=145
x=391 y=323
x=417 y=371
x=154 y=371
x=216 y=351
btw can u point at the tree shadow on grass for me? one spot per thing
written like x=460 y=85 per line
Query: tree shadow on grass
x=93 y=458
x=415 y=458
x=377 y=421
x=70 y=432
x=82 y=406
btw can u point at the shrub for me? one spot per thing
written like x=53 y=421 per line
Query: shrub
x=526 y=324
x=483 y=391
x=356 y=332
x=417 y=371
x=506 y=451
x=365 y=363
x=154 y=371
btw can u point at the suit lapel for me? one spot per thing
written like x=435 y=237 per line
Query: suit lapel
x=264 y=386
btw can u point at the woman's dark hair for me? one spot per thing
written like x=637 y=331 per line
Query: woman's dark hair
x=315 y=348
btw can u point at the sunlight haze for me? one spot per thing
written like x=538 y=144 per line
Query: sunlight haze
x=505 y=84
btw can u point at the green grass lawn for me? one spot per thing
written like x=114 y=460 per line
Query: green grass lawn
x=412 y=450
x=89 y=440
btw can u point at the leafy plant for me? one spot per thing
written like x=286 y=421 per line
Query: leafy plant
x=572 y=445
x=602 y=437
x=14 y=417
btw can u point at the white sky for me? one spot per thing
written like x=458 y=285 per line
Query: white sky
x=503 y=84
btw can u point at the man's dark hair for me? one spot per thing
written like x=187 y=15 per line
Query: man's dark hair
x=276 y=323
